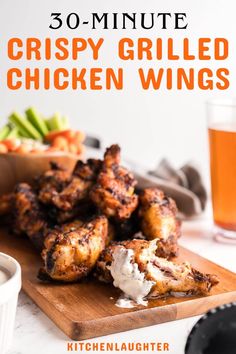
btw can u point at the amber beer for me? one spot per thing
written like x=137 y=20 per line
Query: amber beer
x=222 y=140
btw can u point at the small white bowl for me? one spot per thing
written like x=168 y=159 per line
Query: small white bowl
x=9 y=291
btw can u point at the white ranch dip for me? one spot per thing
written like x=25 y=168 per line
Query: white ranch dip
x=129 y=279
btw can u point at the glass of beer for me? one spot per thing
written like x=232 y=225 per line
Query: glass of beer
x=222 y=142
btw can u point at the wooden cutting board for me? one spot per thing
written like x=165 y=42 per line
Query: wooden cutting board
x=87 y=310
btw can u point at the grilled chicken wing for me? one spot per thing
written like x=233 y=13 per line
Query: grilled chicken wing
x=83 y=210
x=6 y=204
x=127 y=229
x=114 y=193
x=134 y=267
x=52 y=182
x=29 y=217
x=83 y=178
x=71 y=251
x=158 y=220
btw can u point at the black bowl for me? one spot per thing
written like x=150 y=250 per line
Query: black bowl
x=214 y=333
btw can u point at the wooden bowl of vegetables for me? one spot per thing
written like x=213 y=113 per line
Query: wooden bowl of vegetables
x=28 y=143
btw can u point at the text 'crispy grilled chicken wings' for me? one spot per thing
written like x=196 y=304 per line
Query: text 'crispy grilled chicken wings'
x=28 y=215
x=134 y=267
x=83 y=178
x=158 y=220
x=71 y=251
x=114 y=193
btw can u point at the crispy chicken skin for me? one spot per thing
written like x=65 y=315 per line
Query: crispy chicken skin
x=114 y=193
x=83 y=178
x=167 y=277
x=64 y=190
x=83 y=210
x=111 y=235
x=71 y=251
x=29 y=217
x=52 y=182
x=6 y=204
x=158 y=220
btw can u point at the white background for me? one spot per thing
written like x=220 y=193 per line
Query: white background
x=148 y=125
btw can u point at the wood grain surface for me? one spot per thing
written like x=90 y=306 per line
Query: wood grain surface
x=24 y=167
x=87 y=310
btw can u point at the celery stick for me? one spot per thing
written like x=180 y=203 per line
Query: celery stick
x=65 y=122
x=55 y=123
x=48 y=124
x=14 y=133
x=22 y=132
x=4 y=131
x=35 y=119
x=24 y=126
x=51 y=124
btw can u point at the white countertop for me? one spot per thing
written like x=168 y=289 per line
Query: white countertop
x=36 y=334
